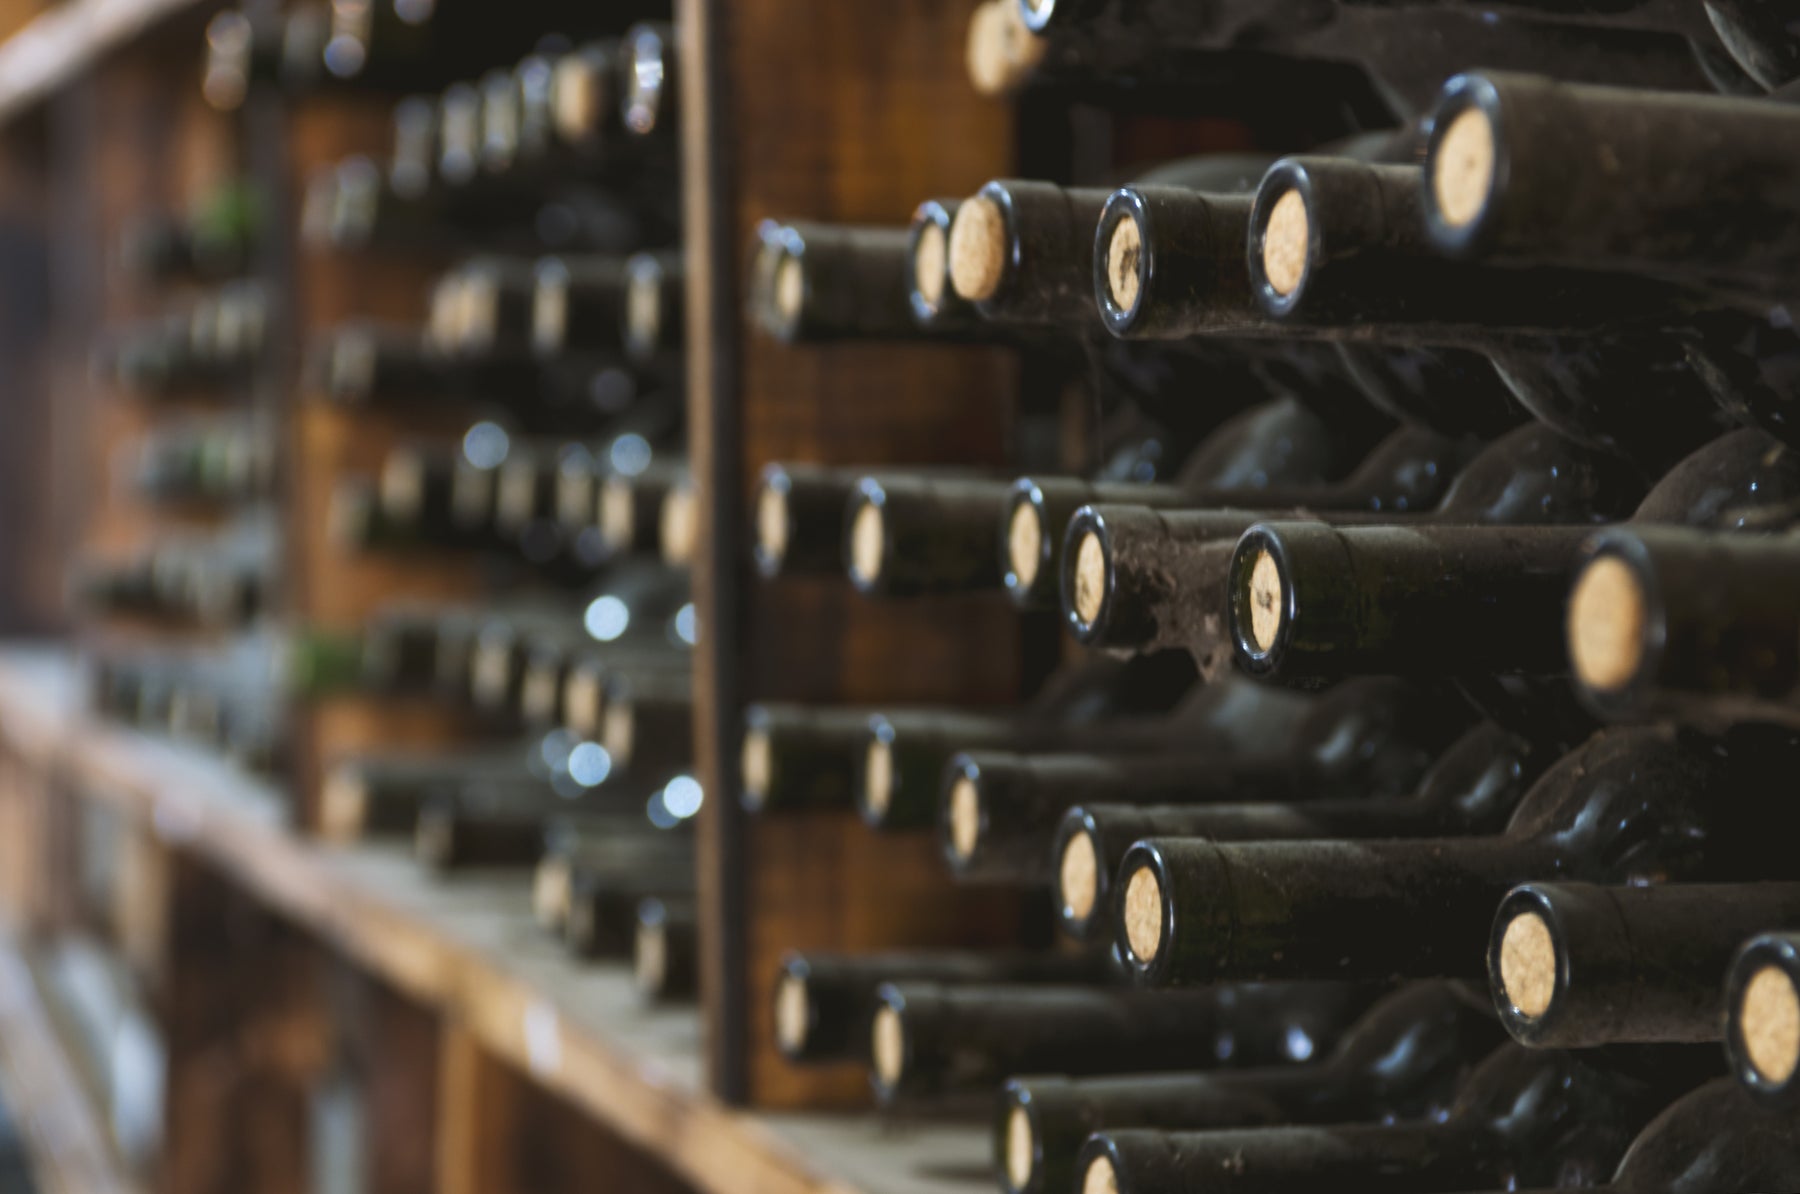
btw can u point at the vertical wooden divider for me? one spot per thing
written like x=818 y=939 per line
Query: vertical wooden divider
x=815 y=109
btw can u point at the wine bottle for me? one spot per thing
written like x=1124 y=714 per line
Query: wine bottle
x=797 y=757
x=475 y=827
x=579 y=303
x=1630 y=806
x=799 y=511
x=635 y=510
x=1134 y=578
x=909 y=536
x=928 y=1040
x=400 y=650
x=378 y=795
x=824 y=1004
x=1409 y=470
x=1473 y=599
x=1474 y=787
x=905 y=751
x=602 y=919
x=999 y=812
x=665 y=954
x=1512 y=176
x=1405 y=1059
x=814 y=282
x=1691 y=624
x=1505 y=1131
x=1574 y=964
x=570 y=850
x=1712 y=1141
x=1337 y=243
x=648 y=721
x=1762 y=1019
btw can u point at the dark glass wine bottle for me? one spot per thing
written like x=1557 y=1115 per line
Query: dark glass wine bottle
x=1406 y=1058
x=1574 y=965
x=1762 y=1019
x=1630 y=806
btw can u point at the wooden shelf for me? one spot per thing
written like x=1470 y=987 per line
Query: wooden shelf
x=65 y=41
x=469 y=947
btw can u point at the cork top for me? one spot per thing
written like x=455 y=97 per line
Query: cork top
x=1462 y=169
x=583 y=701
x=756 y=762
x=1769 y=1019
x=578 y=98
x=343 y=800
x=1100 y=1177
x=1019 y=1148
x=650 y=958
x=790 y=288
x=618 y=731
x=1001 y=52
x=1285 y=243
x=978 y=249
x=1025 y=542
x=1528 y=964
x=550 y=885
x=643 y=308
x=930 y=258
x=1090 y=578
x=791 y=1013
x=868 y=542
x=878 y=777
x=618 y=513
x=965 y=817
x=1267 y=607
x=1143 y=914
x=677 y=524
x=771 y=522
x=1607 y=614
x=403 y=483
x=888 y=1046
x=550 y=310
x=1123 y=253
x=1078 y=877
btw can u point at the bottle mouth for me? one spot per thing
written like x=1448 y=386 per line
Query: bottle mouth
x=1016 y=1142
x=1087 y=576
x=1465 y=164
x=1143 y=912
x=756 y=766
x=1123 y=260
x=1025 y=547
x=880 y=778
x=1262 y=600
x=1525 y=962
x=774 y=524
x=980 y=245
x=888 y=1046
x=643 y=305
x=1763 y=1018
x=1099 y=1175
x=794 y=1013
x=962 y=811
x=1081 y=882
x=866 y=537
x=1284 y=238
x=1615 y=623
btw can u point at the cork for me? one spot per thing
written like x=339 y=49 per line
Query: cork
x=550 y=311
x=618 y=513
x=930 y=259
x=1078 y=877
x=342 y=800
x=1143 y=914
x=1528 y=964
x=867 y=543
x=1020 y=1148
x=756 y=761
x=1123 y=252
x=583 y=702
x=618 y=731
x=772 y=522
x=550 y=885
x=1025 y=542
x=403 y=484
x=1462 y=169
x=878 y=778
x=1090 y=578
x=965 y=818
x=888 y=1046
x=1001 y=52
x=1266 y=601
x=643 y=308
x=1769 y=1019
x=978 y=249
x=577 y=98
x=1607 y=615
x=791 y=1013
x=1100 y=1177
x=1285 y=243
x=677 y=525
x=650 y=958
x=790 y=289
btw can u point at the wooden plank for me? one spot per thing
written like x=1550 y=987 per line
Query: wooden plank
x=470 y=949
x=66 y=41
x=64 y=1132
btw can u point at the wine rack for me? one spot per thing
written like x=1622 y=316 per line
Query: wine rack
x=1101 y=595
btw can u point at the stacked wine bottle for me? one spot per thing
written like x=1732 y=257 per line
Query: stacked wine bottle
x=544 y=400
x=1409 y=800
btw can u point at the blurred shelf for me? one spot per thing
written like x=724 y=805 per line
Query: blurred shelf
x=469 y=946
x=57 y=1119
x=60 y=43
